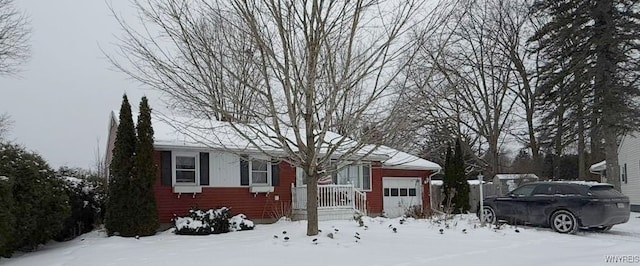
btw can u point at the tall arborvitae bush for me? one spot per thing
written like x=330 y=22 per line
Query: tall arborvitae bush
x=145 y=202
x=40 y=204
x=455 y=185
x=448 y=182
x=119 y=217
x=461 y=199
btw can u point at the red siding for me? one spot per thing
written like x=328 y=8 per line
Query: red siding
x=261 y=206
x=239 y=199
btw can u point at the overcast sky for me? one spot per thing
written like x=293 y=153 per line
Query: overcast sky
x=61 y=101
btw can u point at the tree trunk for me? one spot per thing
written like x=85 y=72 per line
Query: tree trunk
x=611 y=153
x=533 y=143
x=604 y=83
x=557 y=140
x=312 y=203
x=582 y=173
x=494 y=158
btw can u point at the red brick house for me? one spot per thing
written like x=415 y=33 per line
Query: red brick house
x=191 y=174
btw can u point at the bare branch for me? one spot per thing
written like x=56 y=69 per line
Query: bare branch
x=14 y=37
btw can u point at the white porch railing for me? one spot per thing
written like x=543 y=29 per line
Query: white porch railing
x=331 y=197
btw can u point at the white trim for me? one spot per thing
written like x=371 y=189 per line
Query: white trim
x=261 y=189
x=187 y=189
x=269 y=178
x=196 y=156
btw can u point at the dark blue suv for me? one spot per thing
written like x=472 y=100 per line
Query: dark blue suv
x=563 y=206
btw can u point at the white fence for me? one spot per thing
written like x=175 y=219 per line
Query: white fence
x=331 y=197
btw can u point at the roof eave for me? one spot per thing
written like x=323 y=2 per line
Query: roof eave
x=417 y=168
x=196 y=147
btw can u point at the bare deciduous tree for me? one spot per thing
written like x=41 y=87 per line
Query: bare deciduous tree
x=478 y=80
x=14 y=37
x=99 y=165
x=5 y=125
x=471 y=84
x=294 y=70
x=515 y=26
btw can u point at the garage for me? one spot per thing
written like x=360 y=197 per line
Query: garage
x=400 y=194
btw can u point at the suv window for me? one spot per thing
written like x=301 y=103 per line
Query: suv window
x=523 y=191
x=555 y=189
x=604 y=191
x=566 y=190
x=544 y=189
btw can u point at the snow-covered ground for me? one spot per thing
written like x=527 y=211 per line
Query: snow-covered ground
x=417 y=242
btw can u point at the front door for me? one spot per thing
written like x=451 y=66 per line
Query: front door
x=400 y=194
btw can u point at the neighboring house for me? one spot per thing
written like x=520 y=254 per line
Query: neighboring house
x=600 y=169
x=507 y=182
x=629 y=161
x=233 y=174
x=111 y=141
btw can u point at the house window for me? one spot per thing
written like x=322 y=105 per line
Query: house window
x=624 y=173
x=186 y=169
x=357 y=175
x=260 y=174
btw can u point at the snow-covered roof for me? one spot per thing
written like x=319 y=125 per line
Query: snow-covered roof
x=598 y=167
x=516 y=176
x=403 y=160
x=181 y=132
x=3 y=178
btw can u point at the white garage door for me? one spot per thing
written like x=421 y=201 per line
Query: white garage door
x=400 y=194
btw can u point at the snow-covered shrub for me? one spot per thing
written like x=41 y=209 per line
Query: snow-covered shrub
x=212 y=221
x=86 y=194
x=191 y=226
x=240 y=222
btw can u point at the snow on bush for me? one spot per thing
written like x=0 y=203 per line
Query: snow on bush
x=212 y=221
x=240 y=222
x=189 y=226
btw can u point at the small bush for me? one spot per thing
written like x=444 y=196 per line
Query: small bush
x=240 y=223
x=213 y=221
x=358 y=218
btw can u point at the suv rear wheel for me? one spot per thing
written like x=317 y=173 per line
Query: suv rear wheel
x=564 y=222
x=488 y=215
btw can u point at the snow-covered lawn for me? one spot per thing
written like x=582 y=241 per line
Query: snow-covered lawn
x=417 y=242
